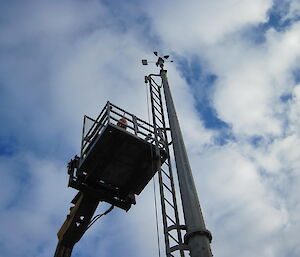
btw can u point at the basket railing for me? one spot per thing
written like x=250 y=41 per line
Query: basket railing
x=112 y=114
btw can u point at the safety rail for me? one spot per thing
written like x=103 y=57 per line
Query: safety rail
x=111 y=114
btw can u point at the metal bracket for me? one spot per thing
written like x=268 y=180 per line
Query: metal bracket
x=182 y=227
x=190 y=234
x=178 y=247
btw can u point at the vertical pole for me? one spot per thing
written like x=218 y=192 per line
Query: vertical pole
x=108 y=106
x=135 y=125
x=83 y=132
x=198 y=237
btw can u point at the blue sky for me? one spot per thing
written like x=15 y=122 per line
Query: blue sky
x=235 y=82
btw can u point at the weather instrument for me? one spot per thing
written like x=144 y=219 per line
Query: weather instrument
x=120 y=153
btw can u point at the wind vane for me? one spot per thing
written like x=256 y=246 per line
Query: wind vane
x=160 y=62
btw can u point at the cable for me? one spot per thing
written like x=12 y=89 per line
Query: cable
x=94 y=219
x=153 y=180
x=156 y=217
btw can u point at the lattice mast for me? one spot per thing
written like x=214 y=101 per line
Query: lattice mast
x=197 y=238
x=171 y=224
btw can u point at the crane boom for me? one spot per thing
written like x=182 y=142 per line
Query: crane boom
x=76 y=223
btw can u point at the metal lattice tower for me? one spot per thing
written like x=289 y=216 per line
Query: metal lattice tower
x=171 y=223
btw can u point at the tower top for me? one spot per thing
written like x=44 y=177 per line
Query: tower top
x=160 y=61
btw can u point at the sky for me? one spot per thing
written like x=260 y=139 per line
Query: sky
x=235 y=80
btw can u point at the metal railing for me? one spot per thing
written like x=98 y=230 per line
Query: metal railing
x=111 y=114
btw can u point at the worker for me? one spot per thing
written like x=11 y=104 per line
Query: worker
x=122 y=123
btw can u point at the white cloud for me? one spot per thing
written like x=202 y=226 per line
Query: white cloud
x=186 y=25
x=35 y=207
x=237 y=203
x=50 y=21
x=251 y=83
x=294 y=9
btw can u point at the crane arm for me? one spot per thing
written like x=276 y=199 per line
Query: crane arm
x=76 y=224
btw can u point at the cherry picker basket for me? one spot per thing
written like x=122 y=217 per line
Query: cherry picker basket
x=118 y=156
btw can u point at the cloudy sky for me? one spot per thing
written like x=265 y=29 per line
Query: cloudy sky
x=236 y=85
